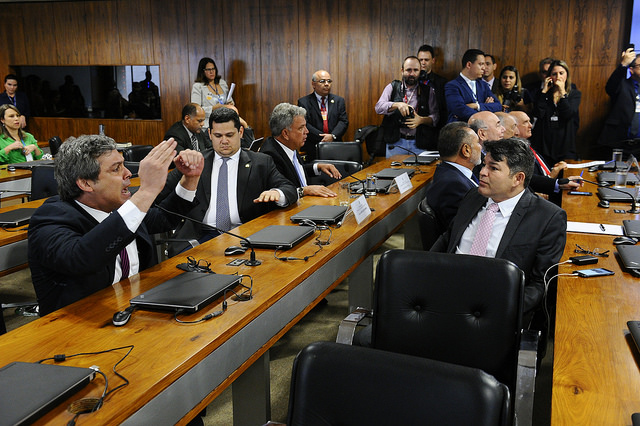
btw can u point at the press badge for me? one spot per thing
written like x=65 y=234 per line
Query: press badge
x=554 y=118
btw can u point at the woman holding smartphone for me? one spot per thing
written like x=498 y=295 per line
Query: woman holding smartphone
x=556 y=110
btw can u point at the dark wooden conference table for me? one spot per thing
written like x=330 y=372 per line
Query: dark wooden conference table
x=175 y=370
x=596 y=373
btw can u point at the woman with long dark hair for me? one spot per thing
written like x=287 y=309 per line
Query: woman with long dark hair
x=209 y=90
x=511 y=94
x=16 y=145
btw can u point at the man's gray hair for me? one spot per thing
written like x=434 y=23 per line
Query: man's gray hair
x=282 y=117
x=78 y=159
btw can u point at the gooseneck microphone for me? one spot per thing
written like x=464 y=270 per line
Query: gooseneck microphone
x=252 y=259
x=634 y=201
x=408 y=150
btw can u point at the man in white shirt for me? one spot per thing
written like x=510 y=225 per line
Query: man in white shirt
x=96 y=232
x=519 y=226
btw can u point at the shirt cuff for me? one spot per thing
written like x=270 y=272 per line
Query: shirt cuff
x=315 y=169
x=131 y=215
x=556 y=187
x=184 y=193
x=282 y=201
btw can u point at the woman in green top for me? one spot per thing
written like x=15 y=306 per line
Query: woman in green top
x=16 y=145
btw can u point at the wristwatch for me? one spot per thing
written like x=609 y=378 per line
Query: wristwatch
x=334 y=137
x=300 y=192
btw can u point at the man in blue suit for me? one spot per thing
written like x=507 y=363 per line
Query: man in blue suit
x=469 y=93
x=460 y=151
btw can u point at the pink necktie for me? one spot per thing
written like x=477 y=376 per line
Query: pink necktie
x=323 y=110
x=480 y=242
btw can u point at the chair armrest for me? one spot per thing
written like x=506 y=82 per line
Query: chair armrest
x=526 y=377
x=347 y=327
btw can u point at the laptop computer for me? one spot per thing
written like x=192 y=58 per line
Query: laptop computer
x=610 y=178
x=392 y=173
x=17 y=217
x=325 y=215
x=29 y=390
x=189 y=292
x=630 y=256
x=279 y=236
x=631 y=228
x=31 y=164
x=422 y=160
x=615 y=196
x=382 y=186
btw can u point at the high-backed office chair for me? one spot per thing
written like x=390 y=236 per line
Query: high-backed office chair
x=345 y=168
x=43 y=183
x=136 y=152
x=347 y=151
x=430 y=228
x=336 y=384
x=54 y=145
x=455 y=308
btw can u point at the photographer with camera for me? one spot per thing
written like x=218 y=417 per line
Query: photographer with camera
x=510 y=92
x=410 y=112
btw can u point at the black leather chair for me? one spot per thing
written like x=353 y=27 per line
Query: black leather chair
x=455 y=308
x=54 y=145
x=430 y=228
x=335 y=384
x=43 y=183
x=345 y=168
x=346 y=151
x=136 y=152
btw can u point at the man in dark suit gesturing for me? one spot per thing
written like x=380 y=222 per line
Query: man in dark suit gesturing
x=236 y=185
x=505 y=220
x=188 y=131
x=326 y=114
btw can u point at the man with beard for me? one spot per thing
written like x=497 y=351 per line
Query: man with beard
x=410 y=113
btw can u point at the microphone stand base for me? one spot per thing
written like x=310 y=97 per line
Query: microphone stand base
x=634 y=210
x=253 y=262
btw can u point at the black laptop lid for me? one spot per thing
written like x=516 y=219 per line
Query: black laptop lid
x=630 y=256
x=615 y=196
x=189 y=292
x=279 y=236
x=29 y=390
x=392 y=173
x=17 y=217
x=382 y=185
x=610 y=178
x=422 y=160
x=325 y=215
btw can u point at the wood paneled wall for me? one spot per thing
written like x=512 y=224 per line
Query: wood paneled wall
x=270 y=48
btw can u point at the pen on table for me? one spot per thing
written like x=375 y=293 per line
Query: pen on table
x=602 y=228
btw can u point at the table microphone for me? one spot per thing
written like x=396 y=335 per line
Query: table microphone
x=634 y=202
x=252 y=259
x=408 y=150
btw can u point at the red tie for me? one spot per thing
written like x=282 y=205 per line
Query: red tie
x=323 y=110
x=543 y=166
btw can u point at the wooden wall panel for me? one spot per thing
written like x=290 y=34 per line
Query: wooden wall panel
x=270 y=48
x=71 y=33
x=135 y=31
x=360 y=61
x=103 y=39
x=279 y=47
x=244 y=65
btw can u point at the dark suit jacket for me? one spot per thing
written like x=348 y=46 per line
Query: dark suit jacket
x=438 y=85
x=534 y=239
x=22 y=102
x=445 y=192
x=71 y=255
x=623 y=105
x=283 y=163
x=256 y=173
x=459 y=94
x=179 y=133
x=337 y=118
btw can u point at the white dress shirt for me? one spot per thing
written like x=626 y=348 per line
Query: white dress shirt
x=499 y=225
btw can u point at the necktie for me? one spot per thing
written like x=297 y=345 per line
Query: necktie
x=323 y=110
x=543 y=166
x=124 y=263
x=475 y=178
x=223 y=219
x=299 y=170
x=481 y=240
x=194 y=142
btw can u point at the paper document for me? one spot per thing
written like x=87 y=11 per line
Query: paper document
x=584 y=165
x=594 y=228
x=230 y=94
x=429 y=154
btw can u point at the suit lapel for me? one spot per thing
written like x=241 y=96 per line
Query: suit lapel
x=466 y=87
x=288 y=163
x=205 y=178
x=466 y=216
x=517 y=215
x=244 y=172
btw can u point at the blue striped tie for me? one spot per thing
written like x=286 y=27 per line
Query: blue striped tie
x=223 y=219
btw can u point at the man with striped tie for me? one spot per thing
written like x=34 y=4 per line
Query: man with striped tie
x=188 y=132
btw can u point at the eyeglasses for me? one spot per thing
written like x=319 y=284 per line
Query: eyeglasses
x=324 y=81
x=209 y=69
x=198 y=265
x=595 y=252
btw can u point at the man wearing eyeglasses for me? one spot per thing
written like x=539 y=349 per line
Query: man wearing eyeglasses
x=326 y=114
x=623 y=122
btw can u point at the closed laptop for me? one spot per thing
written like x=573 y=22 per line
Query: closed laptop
x=392 y=173
x=279 y=236
x=326 y=215
x=17 y=217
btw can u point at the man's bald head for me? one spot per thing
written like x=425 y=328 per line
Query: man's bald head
x=510 y=125
x=487 y=125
